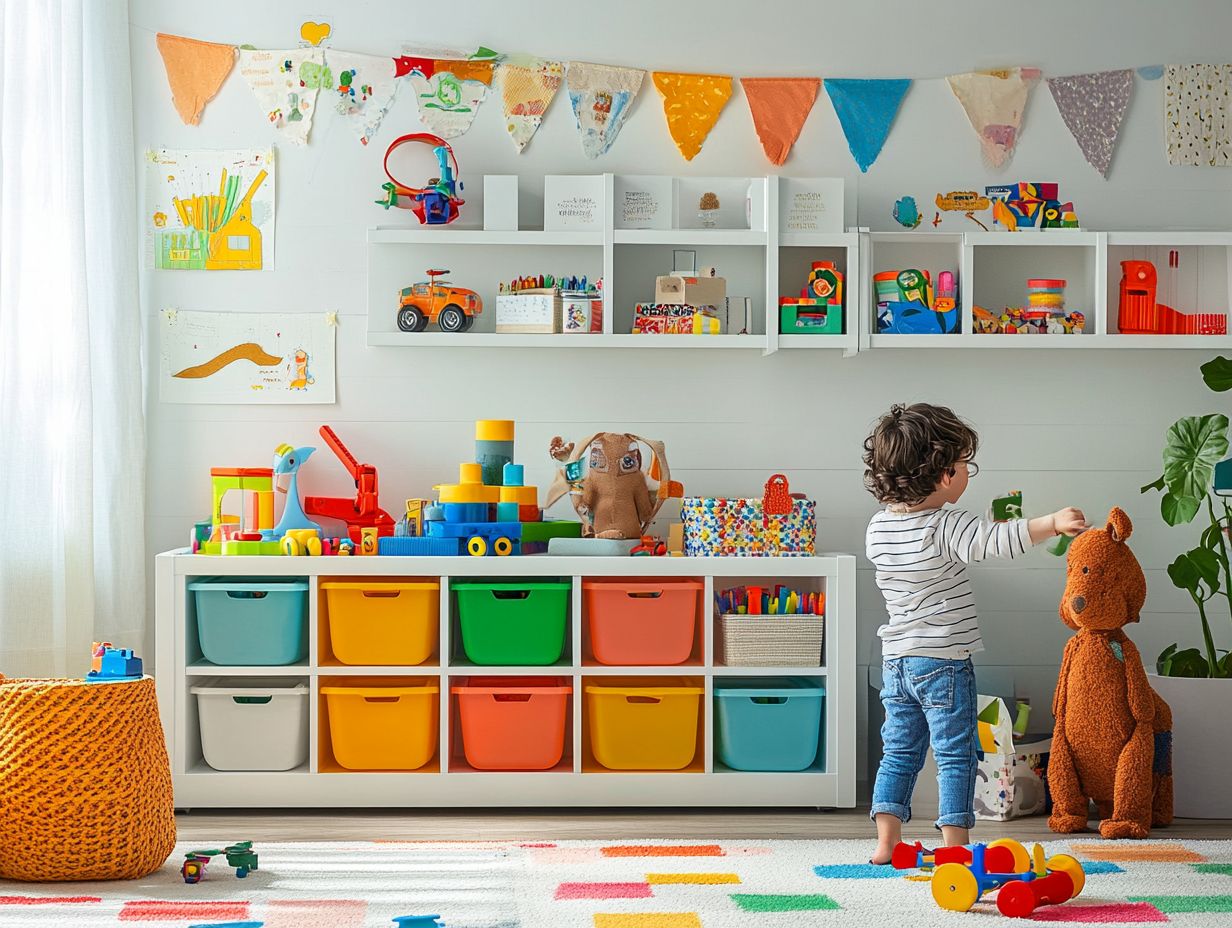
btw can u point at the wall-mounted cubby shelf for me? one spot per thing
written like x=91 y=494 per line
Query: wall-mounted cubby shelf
x=447 y=779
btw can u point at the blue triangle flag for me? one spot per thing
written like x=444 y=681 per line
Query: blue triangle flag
x=866 y=110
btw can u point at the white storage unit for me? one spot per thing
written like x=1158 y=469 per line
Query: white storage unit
x=578 y=780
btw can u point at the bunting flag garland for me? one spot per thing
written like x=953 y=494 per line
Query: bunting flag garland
x=527 y=87
x=994 y=102
x=1197 y=118
x=195 y=72
x=866 y=111
x=779 y=106
x=601 y=96
x=1093 y=106
x=362 y=89
x=449 y=91
x=286 y=84
x=692 y=104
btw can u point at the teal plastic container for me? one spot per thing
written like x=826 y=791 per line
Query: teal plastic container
x=768 y=724
x=252 y=622
x=518 y=623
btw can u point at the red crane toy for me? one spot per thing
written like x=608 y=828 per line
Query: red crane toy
x=362 y=512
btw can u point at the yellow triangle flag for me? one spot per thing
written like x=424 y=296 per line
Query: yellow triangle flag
x=195 y=71
x=692 y=103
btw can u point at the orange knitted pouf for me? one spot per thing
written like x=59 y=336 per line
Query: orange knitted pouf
x=85 y=786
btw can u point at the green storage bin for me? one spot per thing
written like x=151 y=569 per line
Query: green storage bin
x=789 y=320
x=513 y=623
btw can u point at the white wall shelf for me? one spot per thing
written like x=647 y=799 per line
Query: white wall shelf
x=448 y=781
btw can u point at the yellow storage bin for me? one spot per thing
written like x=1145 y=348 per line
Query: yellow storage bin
x=383 y=623
x=383 y=727
x=643 y=726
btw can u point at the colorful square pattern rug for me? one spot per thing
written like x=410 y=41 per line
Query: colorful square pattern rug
x=618 y=884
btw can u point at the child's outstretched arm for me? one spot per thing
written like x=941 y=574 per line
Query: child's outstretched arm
x=968 y=538
x=1068 y=521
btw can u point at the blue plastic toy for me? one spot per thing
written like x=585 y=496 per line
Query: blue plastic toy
x=288 y=460
x=113 y=665
x=418 y=921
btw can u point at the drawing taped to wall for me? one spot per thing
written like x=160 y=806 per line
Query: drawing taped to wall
x=190 y=227
x=246 y=357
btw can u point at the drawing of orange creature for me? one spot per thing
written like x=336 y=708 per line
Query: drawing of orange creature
x=302 y=376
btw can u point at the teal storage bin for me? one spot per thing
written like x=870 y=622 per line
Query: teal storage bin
x=258 y=622
x=768 y=724
x=518 y=623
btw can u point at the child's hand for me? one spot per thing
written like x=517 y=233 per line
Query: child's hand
x=1069 y=521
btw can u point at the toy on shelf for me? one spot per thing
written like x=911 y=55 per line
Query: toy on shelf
x=686 y=301
x=1006 y=507
x=961 y=875
x=452 y=308
x=287 y=462
x=819 y=308
x=437 y=202
x=745 y=527
x=764 y=600
x=243 y=532
x=364 y=511
x=1140 y=314
x=619 y=489
x=1031 y=205
x=675 y=319
x=649 y=546
x=907 y=304
x=109 y=664
x=548 y=305
x=240 y=855
x=1044 y=313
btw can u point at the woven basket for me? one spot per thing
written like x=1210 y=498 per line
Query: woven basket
x=770 y=640
x=85 y=786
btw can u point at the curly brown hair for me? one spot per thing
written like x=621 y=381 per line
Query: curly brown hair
x=911 y=448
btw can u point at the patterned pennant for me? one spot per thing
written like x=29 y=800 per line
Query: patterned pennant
x=195 y=71
x=866 y=111
x=1093 y=106
x=527 y=87
x=449 y=93
x=601 y=96
x=362 y=89
x=994 y=102
x=286 y=84
x=779 y=106
x=1197 y=123
x=692 y=103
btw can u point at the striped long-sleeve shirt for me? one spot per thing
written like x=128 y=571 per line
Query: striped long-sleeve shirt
x=921 y=560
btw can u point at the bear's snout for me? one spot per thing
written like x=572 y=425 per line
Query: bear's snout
x=1078 y=603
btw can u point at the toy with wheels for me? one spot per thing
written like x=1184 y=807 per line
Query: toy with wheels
x=452 y=308
x=1003 y=856
x=437 y=202
x=957 y=887
x=240 y=855
x=299 y=541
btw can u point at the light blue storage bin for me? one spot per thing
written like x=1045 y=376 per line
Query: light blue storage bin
x=768 y=724
x=260 y=622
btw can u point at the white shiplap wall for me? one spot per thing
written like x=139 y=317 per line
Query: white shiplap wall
x=1077 y=428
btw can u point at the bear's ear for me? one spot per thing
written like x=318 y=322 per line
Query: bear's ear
x=1119 y=527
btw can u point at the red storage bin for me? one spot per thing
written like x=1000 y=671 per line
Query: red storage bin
x=642 y=623
x=513 y=723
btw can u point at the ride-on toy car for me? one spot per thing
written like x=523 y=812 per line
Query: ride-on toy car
x=452 y=308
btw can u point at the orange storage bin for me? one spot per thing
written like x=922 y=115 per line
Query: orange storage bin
x=513 y=723
x=383 y=727
x=382 y=623
x=642 y=623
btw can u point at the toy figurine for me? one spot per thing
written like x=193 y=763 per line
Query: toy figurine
x=113 y=665
x=240 y=855
x=436 y=203
x=288 y=461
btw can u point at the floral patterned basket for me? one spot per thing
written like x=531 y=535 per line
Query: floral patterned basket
x=777 y=525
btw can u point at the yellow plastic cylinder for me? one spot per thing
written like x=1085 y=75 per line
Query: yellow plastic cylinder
x=494 y=430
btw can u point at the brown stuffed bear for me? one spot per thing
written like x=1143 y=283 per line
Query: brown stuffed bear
x=1113 y=738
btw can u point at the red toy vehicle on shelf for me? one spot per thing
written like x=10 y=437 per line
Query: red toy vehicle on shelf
x=452 y=308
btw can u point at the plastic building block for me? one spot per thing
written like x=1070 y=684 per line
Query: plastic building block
x=494 y=448
x=528 y=513
x=507 y=512
x=819 y=308
x=592 y=547
x=465 y=512
x=513 y=475
x=523 y=496
x=467 y=529
x=406 y=546
x=364 y=511
x=111 y=665
x=470 y=487
x=418 y=921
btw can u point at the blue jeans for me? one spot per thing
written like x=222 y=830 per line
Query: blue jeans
x=927 y=698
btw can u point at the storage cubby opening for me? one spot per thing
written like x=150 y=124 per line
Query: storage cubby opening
x=1001 y=273
x=379 y=621
x=923 y=252
x=643 y=622
x=536 y=735
x=769 y=730
x=236 y=621
x=520 y=623
x=368 y=731
x=1191 y=279
x=626 y=739
x=247 y=724
x=766 y=644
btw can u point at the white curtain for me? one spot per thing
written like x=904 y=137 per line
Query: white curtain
x=72 y=434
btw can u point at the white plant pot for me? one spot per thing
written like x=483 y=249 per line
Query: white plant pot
x=1201 y=743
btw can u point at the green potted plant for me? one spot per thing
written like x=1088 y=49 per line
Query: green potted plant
x=1197 y=681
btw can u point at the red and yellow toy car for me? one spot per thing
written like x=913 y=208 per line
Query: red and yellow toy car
x=452 y=308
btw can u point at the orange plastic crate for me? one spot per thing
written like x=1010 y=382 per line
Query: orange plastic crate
x=642 y=623
x=513 y=723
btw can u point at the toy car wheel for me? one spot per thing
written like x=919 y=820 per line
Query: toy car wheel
x=470 y=321
x=314 y=546
x=1016 y=899
x=452 y=319
x=477 y=547
x=1063 y=863
x=1022 y=860
x=955 y=888
x=291 y=547
x=241 y=872
x=411 y=319
x=502 y=547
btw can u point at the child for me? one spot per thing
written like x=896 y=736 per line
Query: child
x=917 y=459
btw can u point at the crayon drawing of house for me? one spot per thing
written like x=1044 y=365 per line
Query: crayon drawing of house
x=217 y=232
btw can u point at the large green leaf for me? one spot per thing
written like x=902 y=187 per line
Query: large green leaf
x=1217 y=373
x=1207 y=563
x=1157 y=485
x=1177 y=510
x=1195 y=444
x=1189 y=663
x=1184 y=574
x=1163 y=663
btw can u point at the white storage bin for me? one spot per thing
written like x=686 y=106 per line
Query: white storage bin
x=259 y=724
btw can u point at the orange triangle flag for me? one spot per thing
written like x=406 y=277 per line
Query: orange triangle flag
x=692 y=103
x=195 y=71
x=779 y=105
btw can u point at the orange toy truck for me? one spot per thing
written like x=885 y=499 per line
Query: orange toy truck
x=452 y=308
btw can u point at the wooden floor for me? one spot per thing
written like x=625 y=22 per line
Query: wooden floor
x=536 y=825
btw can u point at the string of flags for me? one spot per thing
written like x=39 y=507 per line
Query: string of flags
x=451 y=85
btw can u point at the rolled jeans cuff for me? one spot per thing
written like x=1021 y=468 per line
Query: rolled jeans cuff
x=899 y=811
